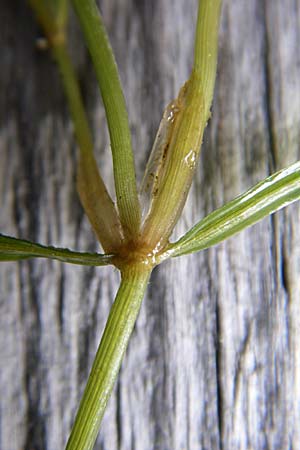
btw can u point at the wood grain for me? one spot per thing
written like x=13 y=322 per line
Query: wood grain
x=214 y=361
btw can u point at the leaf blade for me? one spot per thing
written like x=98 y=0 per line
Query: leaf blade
x=13 y=249
x=275 y=192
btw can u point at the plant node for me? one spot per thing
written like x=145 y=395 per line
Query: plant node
x=137 y=253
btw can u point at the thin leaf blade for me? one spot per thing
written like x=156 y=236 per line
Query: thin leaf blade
x=13 y=249
x=275 y=192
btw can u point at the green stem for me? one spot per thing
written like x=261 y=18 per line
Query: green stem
x=106 y=366
x=70 y=84
x=95 y=199
x=206 y=46
x=46 y=18
x=62 y=9
x=116 y=113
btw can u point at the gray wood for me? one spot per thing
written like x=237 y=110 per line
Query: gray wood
x=214 y=360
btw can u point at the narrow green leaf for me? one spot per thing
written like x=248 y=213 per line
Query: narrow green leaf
x=13 y=249
x=116 y=114
x=268 y=196
x=107 y=362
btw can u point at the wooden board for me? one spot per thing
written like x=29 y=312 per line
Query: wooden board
x=214 y=360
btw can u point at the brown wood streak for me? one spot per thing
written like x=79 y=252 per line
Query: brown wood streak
x=214 y=360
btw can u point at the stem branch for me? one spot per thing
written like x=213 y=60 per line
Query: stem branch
x=116 y=114
x=206 y=46
x=106 y=366
x=95 y=199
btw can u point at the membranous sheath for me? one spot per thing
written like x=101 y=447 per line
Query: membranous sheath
x=172 y=162
x=98 y=205
x=156 y=164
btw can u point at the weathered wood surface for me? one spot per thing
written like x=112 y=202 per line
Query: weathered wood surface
x=214 y=361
